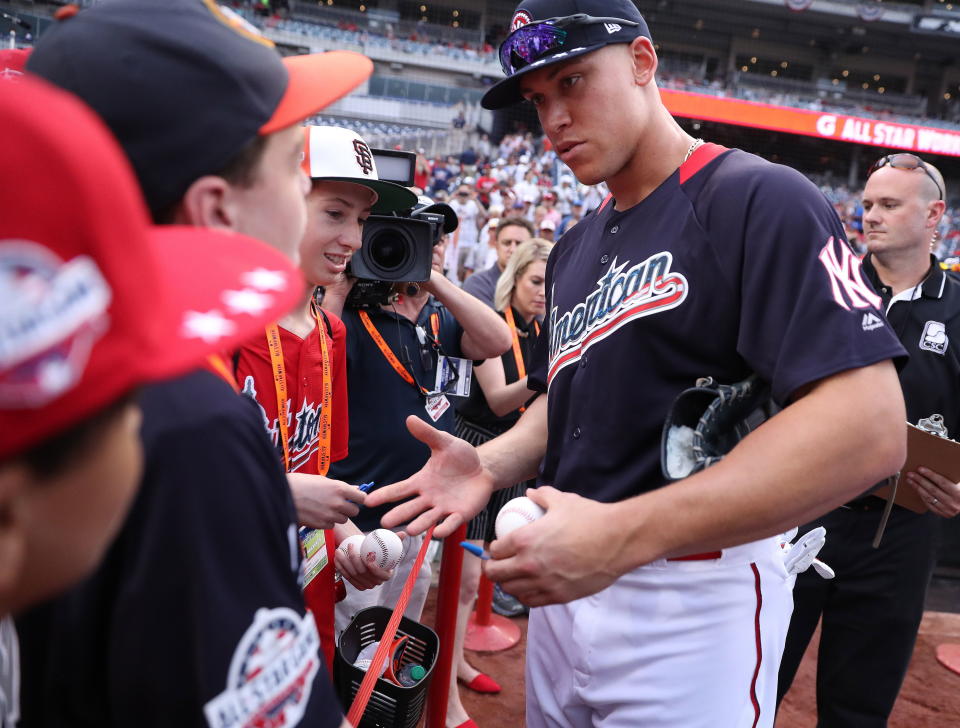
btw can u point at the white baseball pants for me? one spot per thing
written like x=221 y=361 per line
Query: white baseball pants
x=674 y=644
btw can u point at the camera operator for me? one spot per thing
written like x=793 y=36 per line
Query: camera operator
x=393 y=352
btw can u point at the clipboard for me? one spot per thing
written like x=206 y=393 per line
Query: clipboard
x=932 y=451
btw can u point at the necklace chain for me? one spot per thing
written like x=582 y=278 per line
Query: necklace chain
x=693 y=148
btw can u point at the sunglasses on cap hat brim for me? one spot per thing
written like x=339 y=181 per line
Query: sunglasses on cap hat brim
x=552 y=40
x=907 y=161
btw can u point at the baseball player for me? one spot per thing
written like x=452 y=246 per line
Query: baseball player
x=665 y=606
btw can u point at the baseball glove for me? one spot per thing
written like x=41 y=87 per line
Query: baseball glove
x=708 y=420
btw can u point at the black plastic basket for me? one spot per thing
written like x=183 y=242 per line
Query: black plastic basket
x=391 y=705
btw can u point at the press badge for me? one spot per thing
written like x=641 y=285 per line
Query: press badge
x=437 y=404
x=453 y=376
x=314 y=547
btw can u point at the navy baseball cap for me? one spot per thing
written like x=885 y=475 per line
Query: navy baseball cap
x=544 y=32
x=185 y=85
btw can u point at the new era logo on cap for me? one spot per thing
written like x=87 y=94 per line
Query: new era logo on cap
x=612 y=27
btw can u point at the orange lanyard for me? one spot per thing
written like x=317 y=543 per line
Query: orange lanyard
x=218 y=365
x=279 y=369
x=388 y=353
x=323 y=453
x=517 y=354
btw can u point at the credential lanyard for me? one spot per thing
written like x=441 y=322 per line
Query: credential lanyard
x=218 y=365
x=388 y=352
x=279 y=369
x=517 y=354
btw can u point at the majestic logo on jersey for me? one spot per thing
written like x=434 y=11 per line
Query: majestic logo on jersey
x=871 y=321
x=52 y=313
x=846 y=280
x=934 y=338
x=520 y=19
x=304 y=426
x=622 y=295
x=271 y=673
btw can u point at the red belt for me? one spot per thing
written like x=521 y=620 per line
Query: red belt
x=706 y=556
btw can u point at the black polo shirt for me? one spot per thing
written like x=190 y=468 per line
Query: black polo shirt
x=381 y=450
x=926 y=319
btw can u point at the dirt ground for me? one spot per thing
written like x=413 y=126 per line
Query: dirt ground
x=930 y=697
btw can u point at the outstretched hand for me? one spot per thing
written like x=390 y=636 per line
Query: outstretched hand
x=449 y=490
x=569 y=553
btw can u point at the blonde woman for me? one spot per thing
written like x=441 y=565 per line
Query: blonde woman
x=492 y=408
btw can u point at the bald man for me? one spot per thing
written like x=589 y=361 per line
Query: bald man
x=871 y=612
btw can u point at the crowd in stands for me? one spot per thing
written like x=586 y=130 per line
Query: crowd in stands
x=674 y=75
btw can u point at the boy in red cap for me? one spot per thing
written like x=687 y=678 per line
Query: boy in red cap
x=196 y=612
x=73 y=345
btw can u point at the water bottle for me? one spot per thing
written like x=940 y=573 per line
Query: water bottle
x=411 y=674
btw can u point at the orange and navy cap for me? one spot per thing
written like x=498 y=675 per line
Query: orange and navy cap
x=185 y=85
x=94 y=300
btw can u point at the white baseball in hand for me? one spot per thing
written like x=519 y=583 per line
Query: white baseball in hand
x=356 y=540
x=383 y=548
x=515 y=513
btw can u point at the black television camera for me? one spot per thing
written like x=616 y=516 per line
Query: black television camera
x=396 y=248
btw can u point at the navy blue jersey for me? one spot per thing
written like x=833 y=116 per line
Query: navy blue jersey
x=739 y=266
x=195 y=616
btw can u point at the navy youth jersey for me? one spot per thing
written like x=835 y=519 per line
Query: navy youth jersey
x=732 y=265
x=381 y=450
x=195 y=616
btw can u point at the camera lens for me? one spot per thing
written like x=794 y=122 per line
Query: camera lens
x=389 y=251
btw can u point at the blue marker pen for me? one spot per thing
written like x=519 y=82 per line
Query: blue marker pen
x=475 y=550
x=365 y=487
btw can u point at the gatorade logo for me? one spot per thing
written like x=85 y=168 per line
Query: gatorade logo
x=520 y=18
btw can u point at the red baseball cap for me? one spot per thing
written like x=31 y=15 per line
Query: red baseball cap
x=13 y=61
x=94 y=300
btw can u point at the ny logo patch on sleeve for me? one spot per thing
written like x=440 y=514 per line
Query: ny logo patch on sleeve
x=849 y=288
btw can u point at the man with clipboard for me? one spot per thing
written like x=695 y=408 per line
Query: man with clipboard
x=872 y=610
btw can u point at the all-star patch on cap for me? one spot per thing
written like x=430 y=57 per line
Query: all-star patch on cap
x=185 y=85
x=576 y=27
x=341 y=155
x=93 y=299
